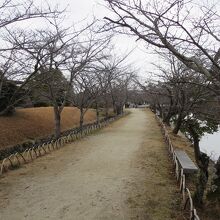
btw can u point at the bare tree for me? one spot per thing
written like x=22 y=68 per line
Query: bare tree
x=184 y=95
x=11 y=63
x=114 y=77
x=189 y=30
x=14 y=11
x=63 y=50
x=82 y=94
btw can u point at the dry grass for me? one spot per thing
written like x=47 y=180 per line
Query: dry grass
x=181 y=142
x=163 y=200
x=210 y=211
x=32 y=123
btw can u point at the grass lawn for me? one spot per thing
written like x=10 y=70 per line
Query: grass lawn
x=32 y=123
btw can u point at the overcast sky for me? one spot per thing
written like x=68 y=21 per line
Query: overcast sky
x=78 y=10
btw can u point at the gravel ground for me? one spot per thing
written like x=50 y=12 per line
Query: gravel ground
x=121 y=172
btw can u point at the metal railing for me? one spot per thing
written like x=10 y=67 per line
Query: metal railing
x=16 y=159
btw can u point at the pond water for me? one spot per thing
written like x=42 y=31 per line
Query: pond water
x=210 y=144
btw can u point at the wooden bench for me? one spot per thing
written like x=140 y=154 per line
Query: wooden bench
x=185 y=162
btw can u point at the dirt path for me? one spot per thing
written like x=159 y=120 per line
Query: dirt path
x=120 y=173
